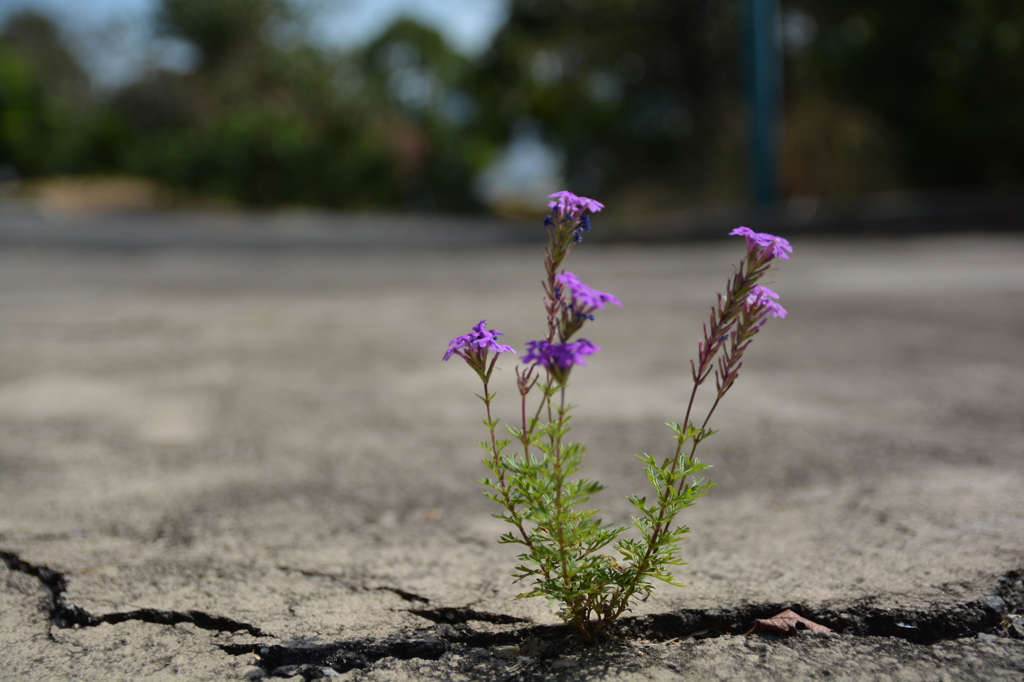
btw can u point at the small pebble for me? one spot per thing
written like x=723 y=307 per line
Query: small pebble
x=534 y=647
x=986 y=637
x=994 y=602
x=304 y=670
x=507 y=652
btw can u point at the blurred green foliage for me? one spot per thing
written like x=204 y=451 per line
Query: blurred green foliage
x=642 y=96
x=268 y=122
x=946 y=76
x=47 y=121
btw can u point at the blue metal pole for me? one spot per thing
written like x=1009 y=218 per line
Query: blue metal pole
x=763 y=82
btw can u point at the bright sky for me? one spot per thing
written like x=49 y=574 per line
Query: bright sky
x=111 y=37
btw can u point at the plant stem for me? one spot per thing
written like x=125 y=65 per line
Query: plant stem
x=724 y=318
x=559 y=480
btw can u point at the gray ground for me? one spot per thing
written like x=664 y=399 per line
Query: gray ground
x=271 y=438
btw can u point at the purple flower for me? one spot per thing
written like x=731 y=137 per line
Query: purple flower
x=585 y=299
x=474 y=346
x=559 y=355
x=762 y=298
x=567 y=203
x=777 y=246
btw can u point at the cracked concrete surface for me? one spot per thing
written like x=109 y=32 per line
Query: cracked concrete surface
x=271 y=439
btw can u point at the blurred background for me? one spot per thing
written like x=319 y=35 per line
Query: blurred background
x=475 y=106
x=177 y=424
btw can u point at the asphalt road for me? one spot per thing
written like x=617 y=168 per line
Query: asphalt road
x=270 y=438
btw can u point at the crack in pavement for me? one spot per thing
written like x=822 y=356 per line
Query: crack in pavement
x=404 y=594
x=65 y=616
x=463 y=614
x=986 y=614
x=917 y=626
x=407 y=596
x=340 y=656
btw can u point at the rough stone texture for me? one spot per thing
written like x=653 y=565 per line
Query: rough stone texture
x=272 y=438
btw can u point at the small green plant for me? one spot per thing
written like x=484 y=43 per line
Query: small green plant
x=567 y=553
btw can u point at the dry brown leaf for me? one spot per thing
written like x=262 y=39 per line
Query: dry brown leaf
x=786 y=623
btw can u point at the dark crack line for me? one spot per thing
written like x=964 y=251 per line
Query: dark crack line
x=464 y=614
x=313 y=574
x=918 y=626
x=404 y=594
x=53 y=582
x=407 y=596
x=341 y=656
x=548 y=641
x=915 y=626
x=65 y=616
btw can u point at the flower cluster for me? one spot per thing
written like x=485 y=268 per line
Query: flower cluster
x=584 y=300
x=480 y=340
x=559 y=355
x=571 y=212
x=474 y=347
x=759 y=300
x=776 y=247
x=567 y=203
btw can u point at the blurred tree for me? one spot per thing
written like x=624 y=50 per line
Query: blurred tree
x=432 y=125
x=641 y=98
x=36 y=40
x=29 y=118
x=50 y=123
x=641 y=95
x=946 y=76
x=269 y=121
x=222 y=29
